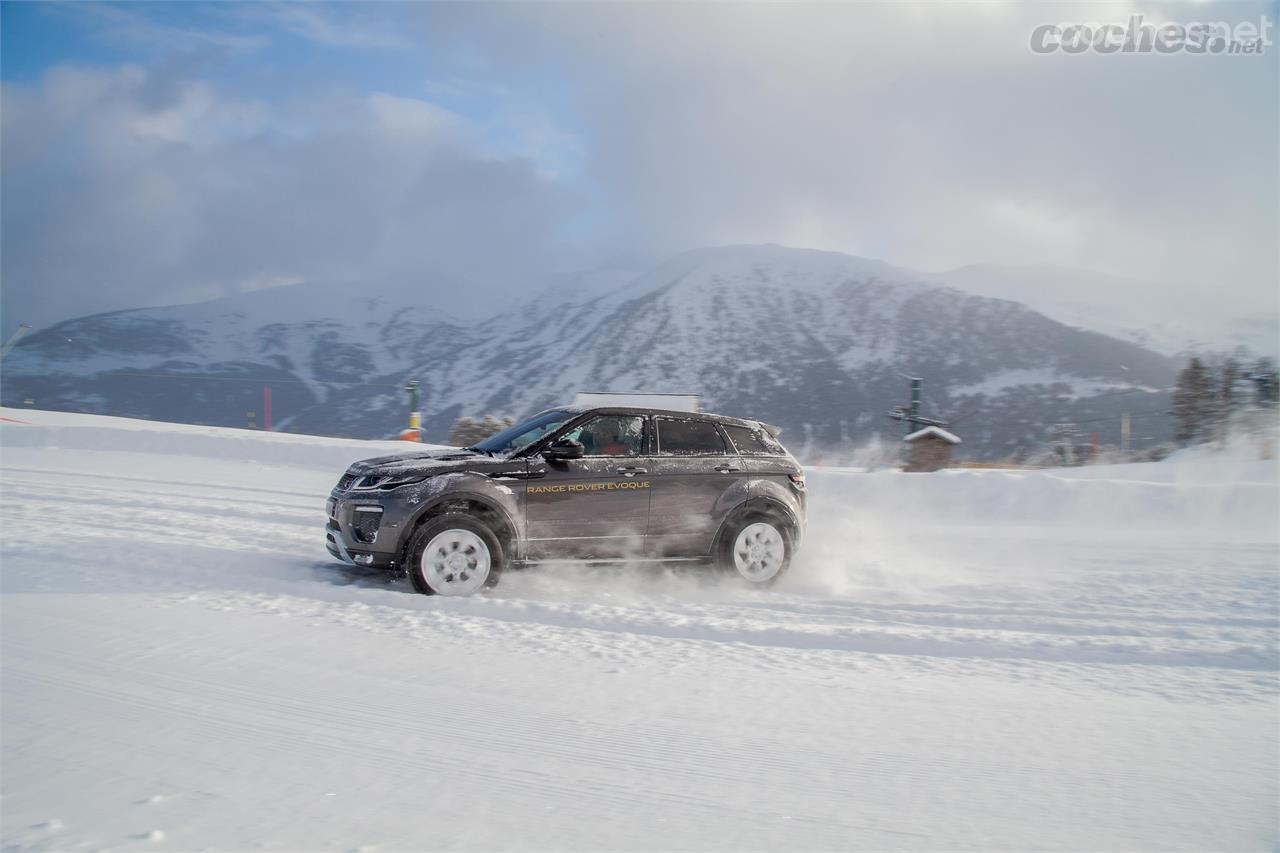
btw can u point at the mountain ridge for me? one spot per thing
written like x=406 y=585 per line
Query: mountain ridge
x=813 y=341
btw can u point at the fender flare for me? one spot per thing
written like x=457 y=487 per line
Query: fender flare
x=760 y=505
x=475 y=497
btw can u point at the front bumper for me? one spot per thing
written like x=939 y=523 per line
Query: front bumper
x=360 y=533
x=354 y=556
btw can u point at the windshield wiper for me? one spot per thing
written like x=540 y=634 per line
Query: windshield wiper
x=476 y=449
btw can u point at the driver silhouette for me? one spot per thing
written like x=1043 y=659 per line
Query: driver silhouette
x=615 y=444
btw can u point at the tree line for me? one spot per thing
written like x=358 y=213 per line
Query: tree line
x=1210 y=396
x=467 y=431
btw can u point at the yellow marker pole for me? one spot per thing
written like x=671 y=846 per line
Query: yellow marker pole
x=414 y=432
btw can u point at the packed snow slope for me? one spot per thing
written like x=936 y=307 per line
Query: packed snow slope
x=1056 y=660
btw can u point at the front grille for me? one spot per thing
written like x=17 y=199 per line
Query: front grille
x=346 y=481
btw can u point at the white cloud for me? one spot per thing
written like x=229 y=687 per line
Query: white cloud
x=124 y=25
x=410 y=121
x=926 y=134
x=121 y=189
x=329 y=24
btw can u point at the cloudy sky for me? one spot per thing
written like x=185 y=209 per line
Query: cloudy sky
x=162 y=153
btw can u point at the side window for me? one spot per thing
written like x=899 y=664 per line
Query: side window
x=610 y=435
x=689 y=438
x=752 y=442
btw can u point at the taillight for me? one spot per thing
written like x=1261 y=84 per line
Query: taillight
x=797 y=480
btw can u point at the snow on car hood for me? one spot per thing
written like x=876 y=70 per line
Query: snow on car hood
x=424 y=461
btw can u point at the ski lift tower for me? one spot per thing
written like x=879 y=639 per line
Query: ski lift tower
x=910 y=415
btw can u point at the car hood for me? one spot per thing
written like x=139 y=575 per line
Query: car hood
x=424 y=461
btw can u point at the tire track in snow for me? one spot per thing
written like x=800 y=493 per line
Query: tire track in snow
x=1013 y=632
x=184 y=487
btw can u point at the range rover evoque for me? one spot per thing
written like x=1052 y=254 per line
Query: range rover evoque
x=597 y=484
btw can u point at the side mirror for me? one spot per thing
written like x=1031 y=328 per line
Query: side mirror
x=565 y=448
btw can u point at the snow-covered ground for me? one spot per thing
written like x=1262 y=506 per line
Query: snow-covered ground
x=1077 y=660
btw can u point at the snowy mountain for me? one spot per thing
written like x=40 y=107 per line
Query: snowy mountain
x=816 y=342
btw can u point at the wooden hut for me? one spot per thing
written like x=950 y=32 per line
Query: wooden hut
x=930 y=449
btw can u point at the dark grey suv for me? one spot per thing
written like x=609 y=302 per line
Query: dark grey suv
x=572 y=483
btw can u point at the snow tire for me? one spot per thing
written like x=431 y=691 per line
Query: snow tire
x=452 y=529
x=756 y=549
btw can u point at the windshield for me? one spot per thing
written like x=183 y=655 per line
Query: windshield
x=525 y=433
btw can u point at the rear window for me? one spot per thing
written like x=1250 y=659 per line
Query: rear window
x=689 y=438
x=753 y=442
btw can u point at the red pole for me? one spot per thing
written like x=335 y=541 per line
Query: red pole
x=266 y=407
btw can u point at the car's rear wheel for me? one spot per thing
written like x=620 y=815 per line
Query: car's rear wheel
x=757 y=549
x=454 y=554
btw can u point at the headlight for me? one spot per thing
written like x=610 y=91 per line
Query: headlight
x=385 y=482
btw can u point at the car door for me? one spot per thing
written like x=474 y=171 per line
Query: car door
x=596 y=506
x=697 y=479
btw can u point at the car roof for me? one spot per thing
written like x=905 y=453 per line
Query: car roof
x=666 y=413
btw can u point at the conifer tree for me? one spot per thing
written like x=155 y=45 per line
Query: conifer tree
x=1266 y=383
x=464 y=432
x=1228 y=398
x=467 y=431
x=1194 y=403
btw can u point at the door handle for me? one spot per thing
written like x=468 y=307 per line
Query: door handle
x=628 y=471
x=727 y=469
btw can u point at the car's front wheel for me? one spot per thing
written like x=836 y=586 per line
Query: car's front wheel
x=454 y=554
x=757 y=549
